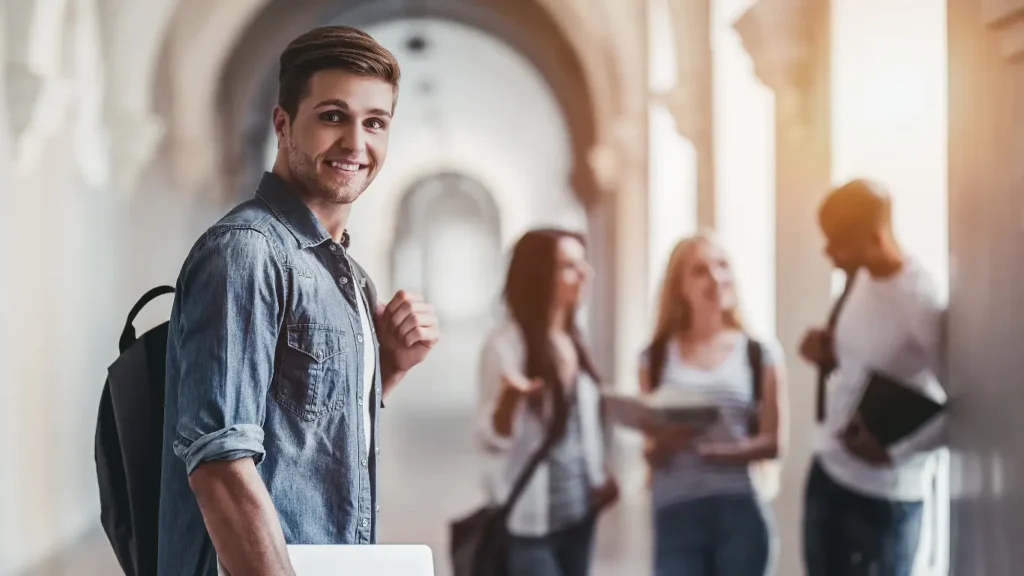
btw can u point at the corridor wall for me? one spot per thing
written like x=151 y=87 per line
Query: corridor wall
x=986 y=319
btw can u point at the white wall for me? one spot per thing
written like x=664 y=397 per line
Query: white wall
x=59 y=289
x=76 y=254
x=8 y=437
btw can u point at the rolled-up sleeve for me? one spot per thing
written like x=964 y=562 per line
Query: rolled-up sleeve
x=503 y=353
x=228 y=322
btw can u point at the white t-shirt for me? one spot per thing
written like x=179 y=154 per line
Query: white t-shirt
x=369 y=365
x=893 y=325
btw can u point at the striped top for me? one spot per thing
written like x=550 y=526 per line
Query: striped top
x=569 y=486
x=730 y=386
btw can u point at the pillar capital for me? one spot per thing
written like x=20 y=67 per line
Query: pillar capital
x=685 y=101
x=28 y=30
x=1006 y=17
x=689 y=98
x=781 y=38
x=615 y=157
x=136 y=137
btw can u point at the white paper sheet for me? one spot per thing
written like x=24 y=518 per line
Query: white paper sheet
x=376 y=560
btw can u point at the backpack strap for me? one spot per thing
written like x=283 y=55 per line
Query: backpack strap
x=128 y=334
x=657 y=355
x=755 y=359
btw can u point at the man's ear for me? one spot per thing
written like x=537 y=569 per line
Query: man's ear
x=281 y=120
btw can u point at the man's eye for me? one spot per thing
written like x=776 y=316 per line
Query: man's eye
x=331 y=116
x=375 y=123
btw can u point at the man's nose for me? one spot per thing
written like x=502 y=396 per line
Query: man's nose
x=353 y=138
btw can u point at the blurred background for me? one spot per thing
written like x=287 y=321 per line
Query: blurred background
x=129 y=126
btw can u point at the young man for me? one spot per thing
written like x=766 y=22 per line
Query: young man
x=278 y=355
x=864 y=500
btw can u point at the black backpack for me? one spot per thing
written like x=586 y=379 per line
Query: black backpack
x=129 y=437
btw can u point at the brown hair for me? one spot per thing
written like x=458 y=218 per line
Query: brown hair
x=332 y=47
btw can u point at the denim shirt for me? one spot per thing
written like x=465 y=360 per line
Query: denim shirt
x=264 y=361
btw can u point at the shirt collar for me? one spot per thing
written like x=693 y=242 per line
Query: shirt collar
x=293 y=212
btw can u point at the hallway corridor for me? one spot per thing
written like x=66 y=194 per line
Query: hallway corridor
x=129 y=126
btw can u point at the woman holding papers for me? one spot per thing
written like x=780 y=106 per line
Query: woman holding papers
x=708 y=484
x=535 y=374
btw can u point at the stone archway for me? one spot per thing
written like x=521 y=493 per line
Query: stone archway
x=436 y=215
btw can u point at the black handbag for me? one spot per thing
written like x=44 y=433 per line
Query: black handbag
x=480 y=541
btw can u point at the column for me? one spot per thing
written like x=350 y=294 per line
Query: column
x=134 y=39
x=690 y=99
x=619 y=213
x=986 y=318
x=789 y=43
x=9 y=421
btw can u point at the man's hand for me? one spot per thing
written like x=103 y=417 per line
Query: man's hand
x=408 y=329
x=816 y=348
x=863 y=445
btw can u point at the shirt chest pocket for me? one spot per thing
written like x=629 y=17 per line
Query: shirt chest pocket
x=311 y=370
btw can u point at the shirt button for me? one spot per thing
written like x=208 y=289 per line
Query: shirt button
x=359 y=338
x=365 y=522
x=360 y=400
x=334 y=248
x=319 y=354
x=343 y=280
x=364 y=462
x=377 y=509
x=377 y=450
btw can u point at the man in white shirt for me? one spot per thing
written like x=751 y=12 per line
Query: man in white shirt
x=864 y=500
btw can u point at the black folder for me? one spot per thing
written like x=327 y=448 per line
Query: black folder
x=891 y=410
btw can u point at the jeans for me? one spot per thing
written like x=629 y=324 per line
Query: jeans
x=713 y=536
x=847 y=534
x=563 y=553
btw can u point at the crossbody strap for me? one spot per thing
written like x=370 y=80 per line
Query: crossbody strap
x=551 y=437
x=821 y=402
x=755 y=359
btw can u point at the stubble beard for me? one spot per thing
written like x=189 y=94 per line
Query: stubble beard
x=303 y=168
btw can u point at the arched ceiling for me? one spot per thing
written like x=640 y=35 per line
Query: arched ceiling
x=221 y=61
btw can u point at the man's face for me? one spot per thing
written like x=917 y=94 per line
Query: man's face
x=847 y=248
x=338 y=139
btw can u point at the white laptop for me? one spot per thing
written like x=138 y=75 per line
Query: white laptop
x=360 y=560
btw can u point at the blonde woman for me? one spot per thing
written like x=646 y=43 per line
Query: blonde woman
x=710 y=518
